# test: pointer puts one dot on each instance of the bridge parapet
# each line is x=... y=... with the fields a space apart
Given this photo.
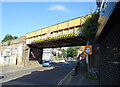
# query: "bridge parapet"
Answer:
x=65 y=29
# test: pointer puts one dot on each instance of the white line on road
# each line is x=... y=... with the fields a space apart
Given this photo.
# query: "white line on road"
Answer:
x=68 y=77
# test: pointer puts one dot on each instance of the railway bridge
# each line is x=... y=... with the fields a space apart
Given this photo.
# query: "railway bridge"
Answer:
x=68 y=33
x=63 y=34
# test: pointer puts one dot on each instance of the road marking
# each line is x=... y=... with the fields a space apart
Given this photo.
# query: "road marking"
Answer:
x=67 y=77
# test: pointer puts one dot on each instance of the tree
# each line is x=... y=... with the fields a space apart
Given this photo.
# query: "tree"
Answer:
x=90 y=27
x=72 y=51
x=64 y=53
x=15 y=37
x=9 y=37
x=69 y=51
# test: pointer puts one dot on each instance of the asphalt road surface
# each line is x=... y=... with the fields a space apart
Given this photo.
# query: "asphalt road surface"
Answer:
x=39 y=75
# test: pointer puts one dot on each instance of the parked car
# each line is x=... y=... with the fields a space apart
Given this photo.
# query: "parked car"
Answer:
x=47 y=63
x=62 y=60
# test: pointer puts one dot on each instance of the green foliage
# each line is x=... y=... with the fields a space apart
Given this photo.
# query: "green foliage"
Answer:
x=55 y=58
x=9 y=42
x=72 y=51
x=15 y=37
x=64 y=53
x=92 y=77
x=9 y=37
x=90 y=26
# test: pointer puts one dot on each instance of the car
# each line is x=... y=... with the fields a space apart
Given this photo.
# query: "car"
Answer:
x=47 y=63
x=62 y=60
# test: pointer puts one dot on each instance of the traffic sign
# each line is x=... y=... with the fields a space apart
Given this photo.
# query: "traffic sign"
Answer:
x=88 y=50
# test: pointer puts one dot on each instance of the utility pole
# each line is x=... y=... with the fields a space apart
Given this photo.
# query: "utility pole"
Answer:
x=87 y=58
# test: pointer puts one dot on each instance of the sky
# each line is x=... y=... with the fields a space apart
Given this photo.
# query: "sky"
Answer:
x=19 y=18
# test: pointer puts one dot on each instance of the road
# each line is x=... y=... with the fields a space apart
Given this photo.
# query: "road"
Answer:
x=39 y=75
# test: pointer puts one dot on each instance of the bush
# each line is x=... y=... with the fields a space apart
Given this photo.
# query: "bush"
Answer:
x=90 y=27
x=91 y=76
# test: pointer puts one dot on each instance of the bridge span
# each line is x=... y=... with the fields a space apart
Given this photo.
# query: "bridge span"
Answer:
x=63 y=34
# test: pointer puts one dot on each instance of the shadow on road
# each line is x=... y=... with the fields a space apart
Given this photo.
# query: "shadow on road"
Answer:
x=46 y=77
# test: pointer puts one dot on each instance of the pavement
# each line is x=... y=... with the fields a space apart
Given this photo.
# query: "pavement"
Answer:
x=6 y=70
x=81 y=79
x=13 y=68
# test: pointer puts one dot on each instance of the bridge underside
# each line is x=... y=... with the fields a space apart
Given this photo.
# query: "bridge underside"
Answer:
x=60 y=42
